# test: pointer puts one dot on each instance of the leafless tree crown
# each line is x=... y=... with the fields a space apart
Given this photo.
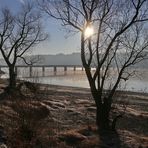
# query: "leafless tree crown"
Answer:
x=20 y=32
x=120 y=34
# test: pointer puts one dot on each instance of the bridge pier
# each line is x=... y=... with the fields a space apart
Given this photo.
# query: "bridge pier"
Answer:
x=65 y=68
x=43 y=71
x=55 y=68
x=74 y=68
x=16 y=70
x=30 y=71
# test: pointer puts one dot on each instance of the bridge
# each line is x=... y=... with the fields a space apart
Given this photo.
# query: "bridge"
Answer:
x=43 y=67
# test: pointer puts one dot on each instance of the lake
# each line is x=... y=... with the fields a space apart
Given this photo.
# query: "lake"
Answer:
x=78 y=78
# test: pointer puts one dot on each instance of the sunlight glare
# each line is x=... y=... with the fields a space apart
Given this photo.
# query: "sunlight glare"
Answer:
x=89 y=31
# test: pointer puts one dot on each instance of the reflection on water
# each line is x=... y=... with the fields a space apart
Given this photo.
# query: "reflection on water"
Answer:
x=78 y=78
x=66 y=78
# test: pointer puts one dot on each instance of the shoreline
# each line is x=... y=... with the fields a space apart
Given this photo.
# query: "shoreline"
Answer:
x=88 y=89
x=54 y=86
x=127 y=96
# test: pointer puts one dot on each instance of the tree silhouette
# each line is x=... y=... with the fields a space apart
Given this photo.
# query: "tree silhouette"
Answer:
x=18 y=33
x=119 y=41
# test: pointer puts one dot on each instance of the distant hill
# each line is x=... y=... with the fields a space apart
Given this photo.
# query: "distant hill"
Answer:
x=58 y=59
x=65 y=59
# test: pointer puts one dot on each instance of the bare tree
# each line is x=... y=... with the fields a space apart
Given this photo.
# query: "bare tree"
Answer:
x=118 y=42
x=18 y=33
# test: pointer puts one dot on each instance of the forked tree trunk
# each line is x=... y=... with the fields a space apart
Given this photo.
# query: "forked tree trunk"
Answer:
x=102 y=108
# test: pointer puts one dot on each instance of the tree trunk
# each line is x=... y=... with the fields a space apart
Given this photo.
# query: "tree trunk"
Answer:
x=103 y=105
x=12 y=78
x=102 y=114
x=102 y=118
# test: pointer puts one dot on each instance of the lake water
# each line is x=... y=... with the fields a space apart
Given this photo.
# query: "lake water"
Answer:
x=78 y=78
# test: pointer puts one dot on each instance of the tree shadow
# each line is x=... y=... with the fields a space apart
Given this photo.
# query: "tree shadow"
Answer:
x=135 y=124
x=111 y=139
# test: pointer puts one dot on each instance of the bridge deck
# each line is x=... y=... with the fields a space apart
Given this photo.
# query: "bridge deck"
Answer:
x=43 y=67
x=5 y=66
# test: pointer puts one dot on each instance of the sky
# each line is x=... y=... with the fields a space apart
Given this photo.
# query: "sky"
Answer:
x=57 y=43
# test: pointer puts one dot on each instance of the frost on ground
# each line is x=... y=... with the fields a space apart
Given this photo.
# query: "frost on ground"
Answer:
x=65 y=117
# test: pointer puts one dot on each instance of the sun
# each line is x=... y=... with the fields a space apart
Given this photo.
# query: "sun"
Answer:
x=89 y=31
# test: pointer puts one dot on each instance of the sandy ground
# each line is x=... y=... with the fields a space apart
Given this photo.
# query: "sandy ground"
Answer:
x=65 y=117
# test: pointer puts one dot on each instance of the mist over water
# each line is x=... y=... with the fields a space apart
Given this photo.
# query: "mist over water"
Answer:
x=138 y=83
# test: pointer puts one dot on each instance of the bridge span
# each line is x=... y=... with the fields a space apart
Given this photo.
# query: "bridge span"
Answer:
x=43 y=67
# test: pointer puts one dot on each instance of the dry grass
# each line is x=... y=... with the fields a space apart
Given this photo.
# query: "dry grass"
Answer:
x=62 y=117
